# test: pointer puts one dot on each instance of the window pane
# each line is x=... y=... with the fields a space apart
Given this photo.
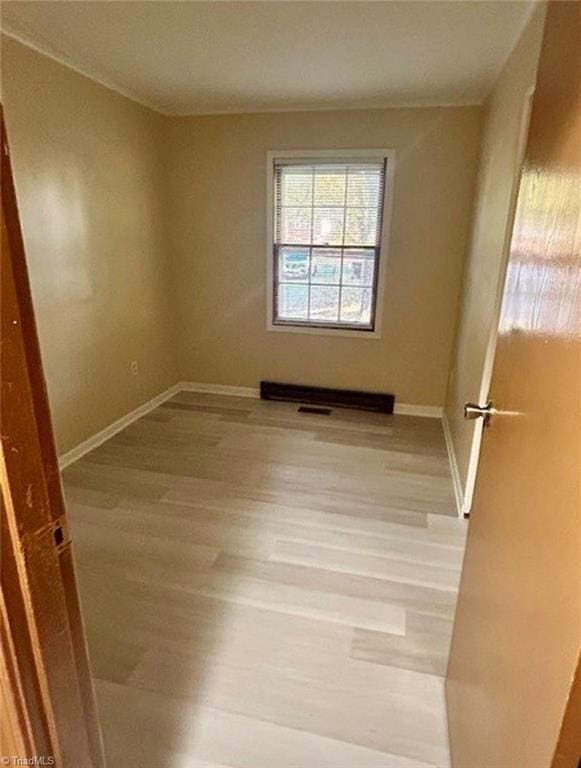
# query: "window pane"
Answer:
x=359 y=268
x=363 y=187
x=293 y=302
x=293 y=265
x=328 y=226
x=330 y=186
x=326 y=266
x=297 y=186
x=361 y=226
x=324 y=304
x=328 y=217
x=356 y=305
x=295 y=225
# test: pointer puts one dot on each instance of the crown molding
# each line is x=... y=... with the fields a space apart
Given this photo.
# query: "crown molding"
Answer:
x=48 y=50
x=45 y=49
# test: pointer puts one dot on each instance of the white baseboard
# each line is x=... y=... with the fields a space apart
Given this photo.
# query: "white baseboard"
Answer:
x=219 y=389
x=430 y=411
x=95 y=440
x=457 y=483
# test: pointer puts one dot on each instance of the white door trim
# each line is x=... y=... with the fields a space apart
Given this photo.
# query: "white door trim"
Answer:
x=468 y=494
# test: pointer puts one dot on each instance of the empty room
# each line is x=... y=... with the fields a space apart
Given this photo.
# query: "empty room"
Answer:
x=291 y=351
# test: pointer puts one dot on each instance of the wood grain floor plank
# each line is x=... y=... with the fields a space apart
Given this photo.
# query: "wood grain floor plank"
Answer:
x=425 y=600
x=266 y=588
x=305 y=680
x=219 y=737
x=423 y=648
x=293 y=601
x=363 y=563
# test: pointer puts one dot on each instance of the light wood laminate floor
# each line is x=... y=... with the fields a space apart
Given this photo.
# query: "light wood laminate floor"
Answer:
x=268 y=589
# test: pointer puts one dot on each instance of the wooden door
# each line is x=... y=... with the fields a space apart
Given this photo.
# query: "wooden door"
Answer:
x=517 y=632
x=46 y=695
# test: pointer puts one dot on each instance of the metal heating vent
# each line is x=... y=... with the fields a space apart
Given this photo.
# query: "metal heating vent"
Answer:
x=380 y=402
x=311 y=409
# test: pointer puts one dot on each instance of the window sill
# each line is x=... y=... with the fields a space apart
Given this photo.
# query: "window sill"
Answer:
x=322 y=331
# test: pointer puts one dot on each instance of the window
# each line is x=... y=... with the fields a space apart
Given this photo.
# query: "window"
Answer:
x=327 y=218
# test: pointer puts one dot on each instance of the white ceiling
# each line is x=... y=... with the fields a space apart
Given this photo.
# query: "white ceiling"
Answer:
x=211 y=57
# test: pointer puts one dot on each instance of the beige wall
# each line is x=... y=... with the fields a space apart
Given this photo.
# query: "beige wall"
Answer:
x=484 y=267
x=89 y=177
x=218 y=189
x=145 y=238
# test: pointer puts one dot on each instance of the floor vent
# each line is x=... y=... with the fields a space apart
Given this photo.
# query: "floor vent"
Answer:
x=317 y=396
x=311 y=409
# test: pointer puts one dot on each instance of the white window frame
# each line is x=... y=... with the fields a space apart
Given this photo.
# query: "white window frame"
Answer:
x=331 y=154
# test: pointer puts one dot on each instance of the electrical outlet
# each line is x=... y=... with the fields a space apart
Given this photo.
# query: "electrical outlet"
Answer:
x=134 y=367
